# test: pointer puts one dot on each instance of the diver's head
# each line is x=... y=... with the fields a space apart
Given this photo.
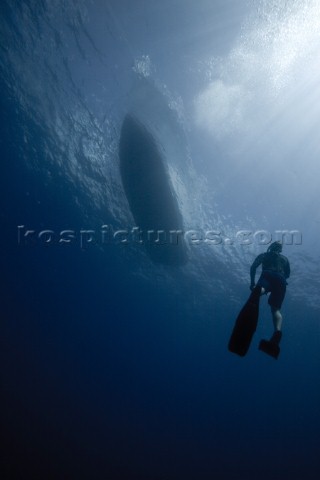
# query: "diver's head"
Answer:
x=275 y=247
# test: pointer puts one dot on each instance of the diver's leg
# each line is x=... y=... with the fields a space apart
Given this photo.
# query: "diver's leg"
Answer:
x=277 y=323
x=277 y=319
x=271 y=347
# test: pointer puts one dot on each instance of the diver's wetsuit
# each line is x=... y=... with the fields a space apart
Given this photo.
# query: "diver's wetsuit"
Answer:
x=275 y=271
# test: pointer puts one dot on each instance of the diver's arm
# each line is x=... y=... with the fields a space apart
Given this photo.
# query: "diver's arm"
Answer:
x=285 y=266
x=253 y=269
x=287 y=269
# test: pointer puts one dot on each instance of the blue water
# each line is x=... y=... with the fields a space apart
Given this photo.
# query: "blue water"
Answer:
x=114 y=366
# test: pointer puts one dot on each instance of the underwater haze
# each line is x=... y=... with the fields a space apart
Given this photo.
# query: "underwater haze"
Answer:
x=150 y=150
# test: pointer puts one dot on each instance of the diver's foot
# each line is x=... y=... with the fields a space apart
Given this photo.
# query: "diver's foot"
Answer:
x=270 y=348
x=276 y=337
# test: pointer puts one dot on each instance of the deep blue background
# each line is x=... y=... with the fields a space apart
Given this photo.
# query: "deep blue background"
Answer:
x=108 y=375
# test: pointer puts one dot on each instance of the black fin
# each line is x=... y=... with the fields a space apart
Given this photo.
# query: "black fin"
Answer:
x=245 y=325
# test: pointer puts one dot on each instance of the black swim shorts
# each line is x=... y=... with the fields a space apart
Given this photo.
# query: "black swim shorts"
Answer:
x=276 y=284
